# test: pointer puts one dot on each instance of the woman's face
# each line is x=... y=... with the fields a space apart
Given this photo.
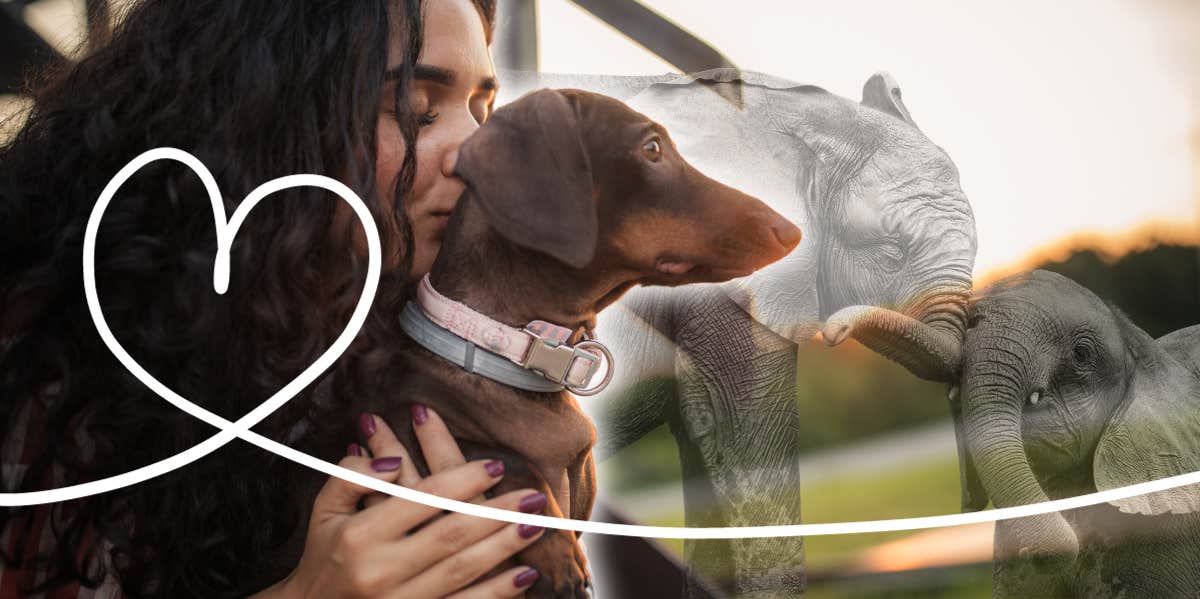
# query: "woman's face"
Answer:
x=452 y=93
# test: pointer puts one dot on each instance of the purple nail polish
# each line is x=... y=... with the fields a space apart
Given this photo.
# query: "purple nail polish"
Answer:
x=532 y=504
x=386 y=464
x=526 y=531
x=419 y=413
x=367 y=423
x=526 y=578
x=353 y=450
x=494 y=468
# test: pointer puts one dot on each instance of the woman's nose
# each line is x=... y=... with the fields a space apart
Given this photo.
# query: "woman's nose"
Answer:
x=448 y=162
x=457 y=137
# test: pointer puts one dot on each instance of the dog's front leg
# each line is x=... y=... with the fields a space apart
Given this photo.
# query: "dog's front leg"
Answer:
x=557 y=555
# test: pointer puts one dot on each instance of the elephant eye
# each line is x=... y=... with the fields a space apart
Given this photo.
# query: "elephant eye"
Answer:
x=891 y=255
x=973 y=319
x=1084 y=352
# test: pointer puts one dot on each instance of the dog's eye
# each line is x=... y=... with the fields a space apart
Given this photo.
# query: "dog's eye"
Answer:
x=652 y=150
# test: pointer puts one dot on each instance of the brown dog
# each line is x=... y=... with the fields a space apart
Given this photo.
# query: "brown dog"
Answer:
x=572 y=198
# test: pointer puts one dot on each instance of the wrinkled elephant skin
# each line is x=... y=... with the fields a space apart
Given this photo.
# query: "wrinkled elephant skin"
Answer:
x=1062 y=395
x=888 y=249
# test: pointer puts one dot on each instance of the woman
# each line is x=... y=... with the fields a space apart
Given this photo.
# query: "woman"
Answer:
x=375 y=94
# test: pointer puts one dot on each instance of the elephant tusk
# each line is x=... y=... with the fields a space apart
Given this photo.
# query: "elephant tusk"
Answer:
x=952 y=394
x=1034 y=398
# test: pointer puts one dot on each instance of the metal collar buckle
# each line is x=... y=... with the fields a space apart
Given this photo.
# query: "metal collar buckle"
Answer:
x=554 y=360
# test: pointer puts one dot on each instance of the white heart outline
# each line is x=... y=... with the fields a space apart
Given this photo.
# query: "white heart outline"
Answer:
x=226 y=229
x=240 y=428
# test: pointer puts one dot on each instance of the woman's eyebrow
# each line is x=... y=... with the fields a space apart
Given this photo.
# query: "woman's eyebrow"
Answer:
x=423 y=72
x=439 y=75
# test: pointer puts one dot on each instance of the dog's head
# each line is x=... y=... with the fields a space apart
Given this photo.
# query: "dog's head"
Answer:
x=592 y=183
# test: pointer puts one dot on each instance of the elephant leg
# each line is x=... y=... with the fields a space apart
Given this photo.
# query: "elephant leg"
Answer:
x=710 y=559
x=638 y=329
x=738 y=426
x=1018 y=577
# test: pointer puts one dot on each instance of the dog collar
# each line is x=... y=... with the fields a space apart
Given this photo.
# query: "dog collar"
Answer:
x=534 y=358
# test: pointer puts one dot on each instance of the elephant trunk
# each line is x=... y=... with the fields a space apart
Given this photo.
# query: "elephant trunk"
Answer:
x=993 y=402
x=929 y=344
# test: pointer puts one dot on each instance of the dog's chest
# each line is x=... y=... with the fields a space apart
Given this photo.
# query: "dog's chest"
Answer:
x=563 y=437
x=547 y=429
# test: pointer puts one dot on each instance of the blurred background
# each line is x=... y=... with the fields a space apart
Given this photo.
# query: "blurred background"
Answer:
x=1076 y=129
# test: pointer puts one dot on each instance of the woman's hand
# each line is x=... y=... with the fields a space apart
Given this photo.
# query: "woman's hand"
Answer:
x=375 y=553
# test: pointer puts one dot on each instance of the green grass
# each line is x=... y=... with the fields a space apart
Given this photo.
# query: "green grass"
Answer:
x=924 y=489
x=921 y=489
x=972 y=582
x=846 y=394
x=650 y=462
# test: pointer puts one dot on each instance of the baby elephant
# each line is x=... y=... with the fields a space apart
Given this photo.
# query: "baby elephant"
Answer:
x=1062 y=395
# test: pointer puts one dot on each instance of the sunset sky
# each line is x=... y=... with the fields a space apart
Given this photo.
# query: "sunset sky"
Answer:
x=1063 y=117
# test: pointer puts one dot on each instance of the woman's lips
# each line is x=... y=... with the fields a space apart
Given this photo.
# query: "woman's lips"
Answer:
x=432 y=226
x=439 y=220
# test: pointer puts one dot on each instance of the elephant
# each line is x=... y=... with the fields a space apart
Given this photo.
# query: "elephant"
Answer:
x=886 y=258
x=1063 y=395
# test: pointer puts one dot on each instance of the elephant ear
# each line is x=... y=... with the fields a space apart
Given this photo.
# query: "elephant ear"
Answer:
x=1155 y=432
x=882 y=93
x=1184 y=345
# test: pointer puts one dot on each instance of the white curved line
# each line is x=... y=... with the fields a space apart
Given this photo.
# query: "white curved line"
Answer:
x=226 y=231
x=240 y=429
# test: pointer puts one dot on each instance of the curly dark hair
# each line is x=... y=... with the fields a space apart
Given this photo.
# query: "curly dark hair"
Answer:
x=255 y=90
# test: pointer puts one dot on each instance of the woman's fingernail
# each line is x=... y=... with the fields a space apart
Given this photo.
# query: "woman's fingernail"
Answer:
x=526 y=531
x=533 y=503
x=494 y=468
x=419 y=413
x=386 y=464
x=367 y=423
x=526 y=578
x=353 y=450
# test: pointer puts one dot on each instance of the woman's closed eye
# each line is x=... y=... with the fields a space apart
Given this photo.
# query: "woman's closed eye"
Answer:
x=428 y=115
x=427 y=118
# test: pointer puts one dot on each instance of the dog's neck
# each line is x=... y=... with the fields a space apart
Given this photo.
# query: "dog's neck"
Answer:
x=512 y=284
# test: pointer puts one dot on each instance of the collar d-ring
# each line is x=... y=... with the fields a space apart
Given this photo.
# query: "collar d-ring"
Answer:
x=593 y=346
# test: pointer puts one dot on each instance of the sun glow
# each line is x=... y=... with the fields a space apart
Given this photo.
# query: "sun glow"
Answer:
x=1109 y=246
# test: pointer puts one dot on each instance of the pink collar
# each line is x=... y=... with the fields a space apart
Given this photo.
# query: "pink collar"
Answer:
x=540 y=346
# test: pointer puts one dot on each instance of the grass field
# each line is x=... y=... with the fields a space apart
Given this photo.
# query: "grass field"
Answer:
x=926 y=488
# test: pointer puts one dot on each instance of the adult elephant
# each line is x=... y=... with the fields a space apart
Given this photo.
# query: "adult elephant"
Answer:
x=888 y=250
x=1062 y=396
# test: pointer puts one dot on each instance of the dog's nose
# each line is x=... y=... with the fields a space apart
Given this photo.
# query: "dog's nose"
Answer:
x=787 y=234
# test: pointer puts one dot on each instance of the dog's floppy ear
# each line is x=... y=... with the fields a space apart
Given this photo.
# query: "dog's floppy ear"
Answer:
x=529 y=171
